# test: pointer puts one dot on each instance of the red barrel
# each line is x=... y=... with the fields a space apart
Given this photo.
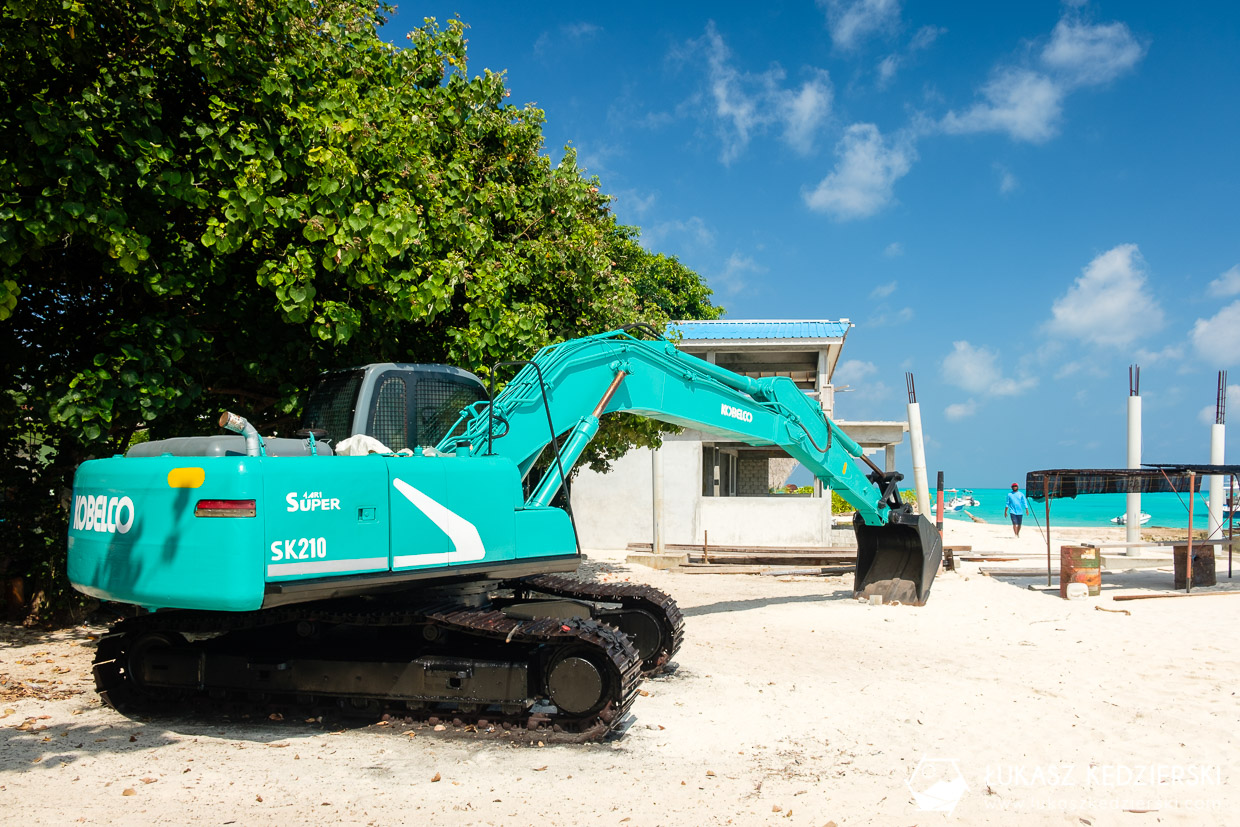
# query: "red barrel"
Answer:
x=1078 y=564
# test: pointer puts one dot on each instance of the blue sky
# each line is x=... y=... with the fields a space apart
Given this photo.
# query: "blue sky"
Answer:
x=1013 y=201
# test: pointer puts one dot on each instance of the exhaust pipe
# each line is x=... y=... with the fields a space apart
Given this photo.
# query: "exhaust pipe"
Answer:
x=897 y=561
x=240 y=425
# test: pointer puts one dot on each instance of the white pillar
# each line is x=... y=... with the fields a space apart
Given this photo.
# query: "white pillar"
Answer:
x=920 y=485
x=1217 y=437
x=656 y=489
x=1133 y=532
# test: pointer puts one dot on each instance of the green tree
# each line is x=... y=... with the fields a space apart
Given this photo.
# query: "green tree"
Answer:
x=205 y=204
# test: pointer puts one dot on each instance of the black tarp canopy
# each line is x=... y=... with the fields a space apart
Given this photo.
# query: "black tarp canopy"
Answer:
x=1151 y=479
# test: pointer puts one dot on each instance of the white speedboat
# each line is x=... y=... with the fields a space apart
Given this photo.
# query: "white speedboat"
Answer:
x=1122 y=519
x=958 y=499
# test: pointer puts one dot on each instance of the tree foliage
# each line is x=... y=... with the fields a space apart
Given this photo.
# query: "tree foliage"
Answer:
x=205 y=204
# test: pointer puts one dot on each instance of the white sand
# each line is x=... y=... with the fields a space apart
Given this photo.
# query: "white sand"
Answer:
x=793 y=704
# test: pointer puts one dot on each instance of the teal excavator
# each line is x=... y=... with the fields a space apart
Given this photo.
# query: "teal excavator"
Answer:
x=405 y=551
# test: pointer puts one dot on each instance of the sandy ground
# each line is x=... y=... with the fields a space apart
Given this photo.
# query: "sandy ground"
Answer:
x=793 y=704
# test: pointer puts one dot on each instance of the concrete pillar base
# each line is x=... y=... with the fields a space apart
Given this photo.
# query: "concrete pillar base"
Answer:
x=657 y=561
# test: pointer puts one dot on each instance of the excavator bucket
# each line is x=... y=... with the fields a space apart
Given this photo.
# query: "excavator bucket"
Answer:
x=899 y=560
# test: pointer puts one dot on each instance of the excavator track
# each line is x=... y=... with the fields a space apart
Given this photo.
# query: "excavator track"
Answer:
x=648 y=615
x=475 y=667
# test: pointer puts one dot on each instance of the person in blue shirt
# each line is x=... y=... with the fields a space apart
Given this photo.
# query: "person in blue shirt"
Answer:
x=1015 y=507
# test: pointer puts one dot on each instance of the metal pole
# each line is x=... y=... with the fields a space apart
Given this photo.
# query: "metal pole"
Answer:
x=656 y=489
x=1188 y=562
x=1214 y=482
x=938 y=520
x=1132 y=521
x=918 y=448
x=1046 y=489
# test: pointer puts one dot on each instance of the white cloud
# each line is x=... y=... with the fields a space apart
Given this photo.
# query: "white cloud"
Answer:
x=633 y=203
x=1007 y=181
x=852 y=22
x=1207 y=414
x=960 y=410
x=1109 y=304
x=747 y=104
x=1170 y=353
x=893 y=250
x=862 y=181
x=887 y=68
x=1023 y=103
x=571 y=32
x=1218 y=337
x=860 y=391
x=891 y=64
x=976 y=370
x=805 y=111
x=596 y=158
x=882 y=291
x=852 y=371
x=1026 y=103
x=925 y=37
x=732 y=105
x=693 y=232
x=885 y=318
x=1068 y=369
x=1086 y=55
x=1228 y=284
x=734 y=276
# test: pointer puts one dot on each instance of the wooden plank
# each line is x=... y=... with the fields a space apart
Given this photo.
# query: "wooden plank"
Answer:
x=1164 y=544
x=711 y=569
x=761 y=560
x=1173 y=594
x=713 y=549
x=824 y=571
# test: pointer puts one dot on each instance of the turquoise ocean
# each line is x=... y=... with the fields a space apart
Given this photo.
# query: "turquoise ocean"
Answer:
x=1166 y=510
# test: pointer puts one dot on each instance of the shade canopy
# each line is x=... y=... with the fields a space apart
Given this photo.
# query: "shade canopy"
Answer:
x=1150 y=479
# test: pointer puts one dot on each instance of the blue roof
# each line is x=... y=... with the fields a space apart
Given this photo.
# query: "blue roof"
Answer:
x=761 y=329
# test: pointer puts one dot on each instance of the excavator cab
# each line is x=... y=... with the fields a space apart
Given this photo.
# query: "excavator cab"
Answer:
x=897 y=561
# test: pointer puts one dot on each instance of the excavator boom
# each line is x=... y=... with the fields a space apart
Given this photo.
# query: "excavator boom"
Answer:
x=567 y=387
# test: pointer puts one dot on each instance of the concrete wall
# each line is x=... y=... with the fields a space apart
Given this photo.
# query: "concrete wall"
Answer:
x=765 y=521
x=614 y=509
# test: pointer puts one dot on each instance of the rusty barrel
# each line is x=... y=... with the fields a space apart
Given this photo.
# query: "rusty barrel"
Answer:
x=1203 y=566
x=1078 y=564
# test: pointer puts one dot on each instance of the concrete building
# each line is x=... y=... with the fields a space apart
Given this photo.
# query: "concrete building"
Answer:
x=721 y=491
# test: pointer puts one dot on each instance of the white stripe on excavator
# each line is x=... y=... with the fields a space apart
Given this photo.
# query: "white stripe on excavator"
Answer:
x=466 y=542
x=327 y=566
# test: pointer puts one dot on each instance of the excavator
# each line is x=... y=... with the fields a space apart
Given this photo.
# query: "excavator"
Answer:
x=408 y=549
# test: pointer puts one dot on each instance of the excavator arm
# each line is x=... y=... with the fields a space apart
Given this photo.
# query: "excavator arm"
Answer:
x=567 y=387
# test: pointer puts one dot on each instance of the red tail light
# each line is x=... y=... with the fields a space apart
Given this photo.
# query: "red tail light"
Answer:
x=225 y=508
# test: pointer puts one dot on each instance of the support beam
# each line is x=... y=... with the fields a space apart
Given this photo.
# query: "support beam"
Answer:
x=1133 y=517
